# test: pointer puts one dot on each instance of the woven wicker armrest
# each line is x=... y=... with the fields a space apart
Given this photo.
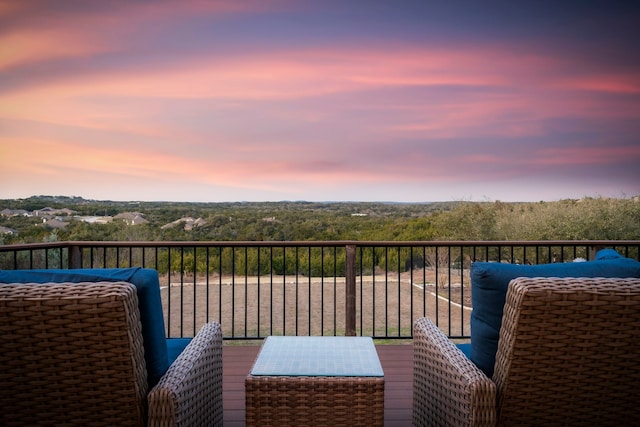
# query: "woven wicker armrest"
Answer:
x=71 y=354
x=448 y=389
x=190 y=392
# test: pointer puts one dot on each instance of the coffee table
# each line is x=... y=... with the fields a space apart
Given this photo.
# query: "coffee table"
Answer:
x=316 y=381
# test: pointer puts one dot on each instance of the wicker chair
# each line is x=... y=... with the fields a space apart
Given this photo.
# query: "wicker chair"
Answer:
x=568 y=354
x=72 y=354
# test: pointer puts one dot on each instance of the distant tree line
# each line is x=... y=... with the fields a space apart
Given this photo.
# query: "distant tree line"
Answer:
x=584 y=219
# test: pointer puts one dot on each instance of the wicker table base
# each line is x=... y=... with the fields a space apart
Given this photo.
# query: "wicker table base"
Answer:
x=307 y=400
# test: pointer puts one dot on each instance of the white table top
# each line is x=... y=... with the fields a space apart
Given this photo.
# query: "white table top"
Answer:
x=318 y=356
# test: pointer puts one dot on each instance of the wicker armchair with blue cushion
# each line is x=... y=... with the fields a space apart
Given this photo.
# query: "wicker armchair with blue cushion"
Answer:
x=88 y=347
x=554 y=344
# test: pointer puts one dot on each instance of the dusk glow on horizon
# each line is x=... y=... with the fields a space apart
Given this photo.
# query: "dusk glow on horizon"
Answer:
x=271 y=100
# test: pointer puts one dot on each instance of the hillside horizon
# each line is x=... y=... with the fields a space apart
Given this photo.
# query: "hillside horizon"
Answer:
x=80 y=199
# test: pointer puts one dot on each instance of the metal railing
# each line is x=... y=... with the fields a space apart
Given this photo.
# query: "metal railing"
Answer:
x=256 y=289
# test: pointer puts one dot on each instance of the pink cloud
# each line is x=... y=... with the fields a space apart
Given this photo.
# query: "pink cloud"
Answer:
x=22 y=47
x=298 y=74
x=614 y=83
x=72 y=165
x=604 y=155
x=41 y=30
x=268 y=115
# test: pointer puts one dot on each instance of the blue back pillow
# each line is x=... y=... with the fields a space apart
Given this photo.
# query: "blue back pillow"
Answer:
x=489 y=283
x=147 y=286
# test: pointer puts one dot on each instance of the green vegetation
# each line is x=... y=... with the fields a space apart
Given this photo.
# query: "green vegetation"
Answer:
x=584 y=219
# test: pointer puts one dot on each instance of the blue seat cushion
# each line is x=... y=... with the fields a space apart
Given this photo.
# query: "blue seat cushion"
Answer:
x=489 y=283
x=465 y=348
x=147 y=286
x=175 y=346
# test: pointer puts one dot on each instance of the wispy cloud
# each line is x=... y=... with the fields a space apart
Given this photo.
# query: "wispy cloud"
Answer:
x=168 y=95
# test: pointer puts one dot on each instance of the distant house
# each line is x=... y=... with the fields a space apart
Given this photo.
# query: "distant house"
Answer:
x=53 y=212
x=54 y=223
x=95 y=219
x=189 y=223
x=197 y=223
x=14 y=212
x=7 y=230
x=132 y=218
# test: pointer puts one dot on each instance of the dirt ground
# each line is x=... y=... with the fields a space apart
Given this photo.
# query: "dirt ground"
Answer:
x=386 y=305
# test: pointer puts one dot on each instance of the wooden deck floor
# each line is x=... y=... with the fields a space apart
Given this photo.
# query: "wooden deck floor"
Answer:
x=396 y=362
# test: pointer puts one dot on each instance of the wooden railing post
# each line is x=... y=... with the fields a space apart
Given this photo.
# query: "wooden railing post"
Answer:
x=75 y=260
x=350 y=292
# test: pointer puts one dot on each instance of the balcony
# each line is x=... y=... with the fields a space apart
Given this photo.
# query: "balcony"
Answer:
x=257 y=289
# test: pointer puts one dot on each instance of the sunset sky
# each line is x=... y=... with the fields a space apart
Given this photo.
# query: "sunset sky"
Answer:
x=332 y=100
